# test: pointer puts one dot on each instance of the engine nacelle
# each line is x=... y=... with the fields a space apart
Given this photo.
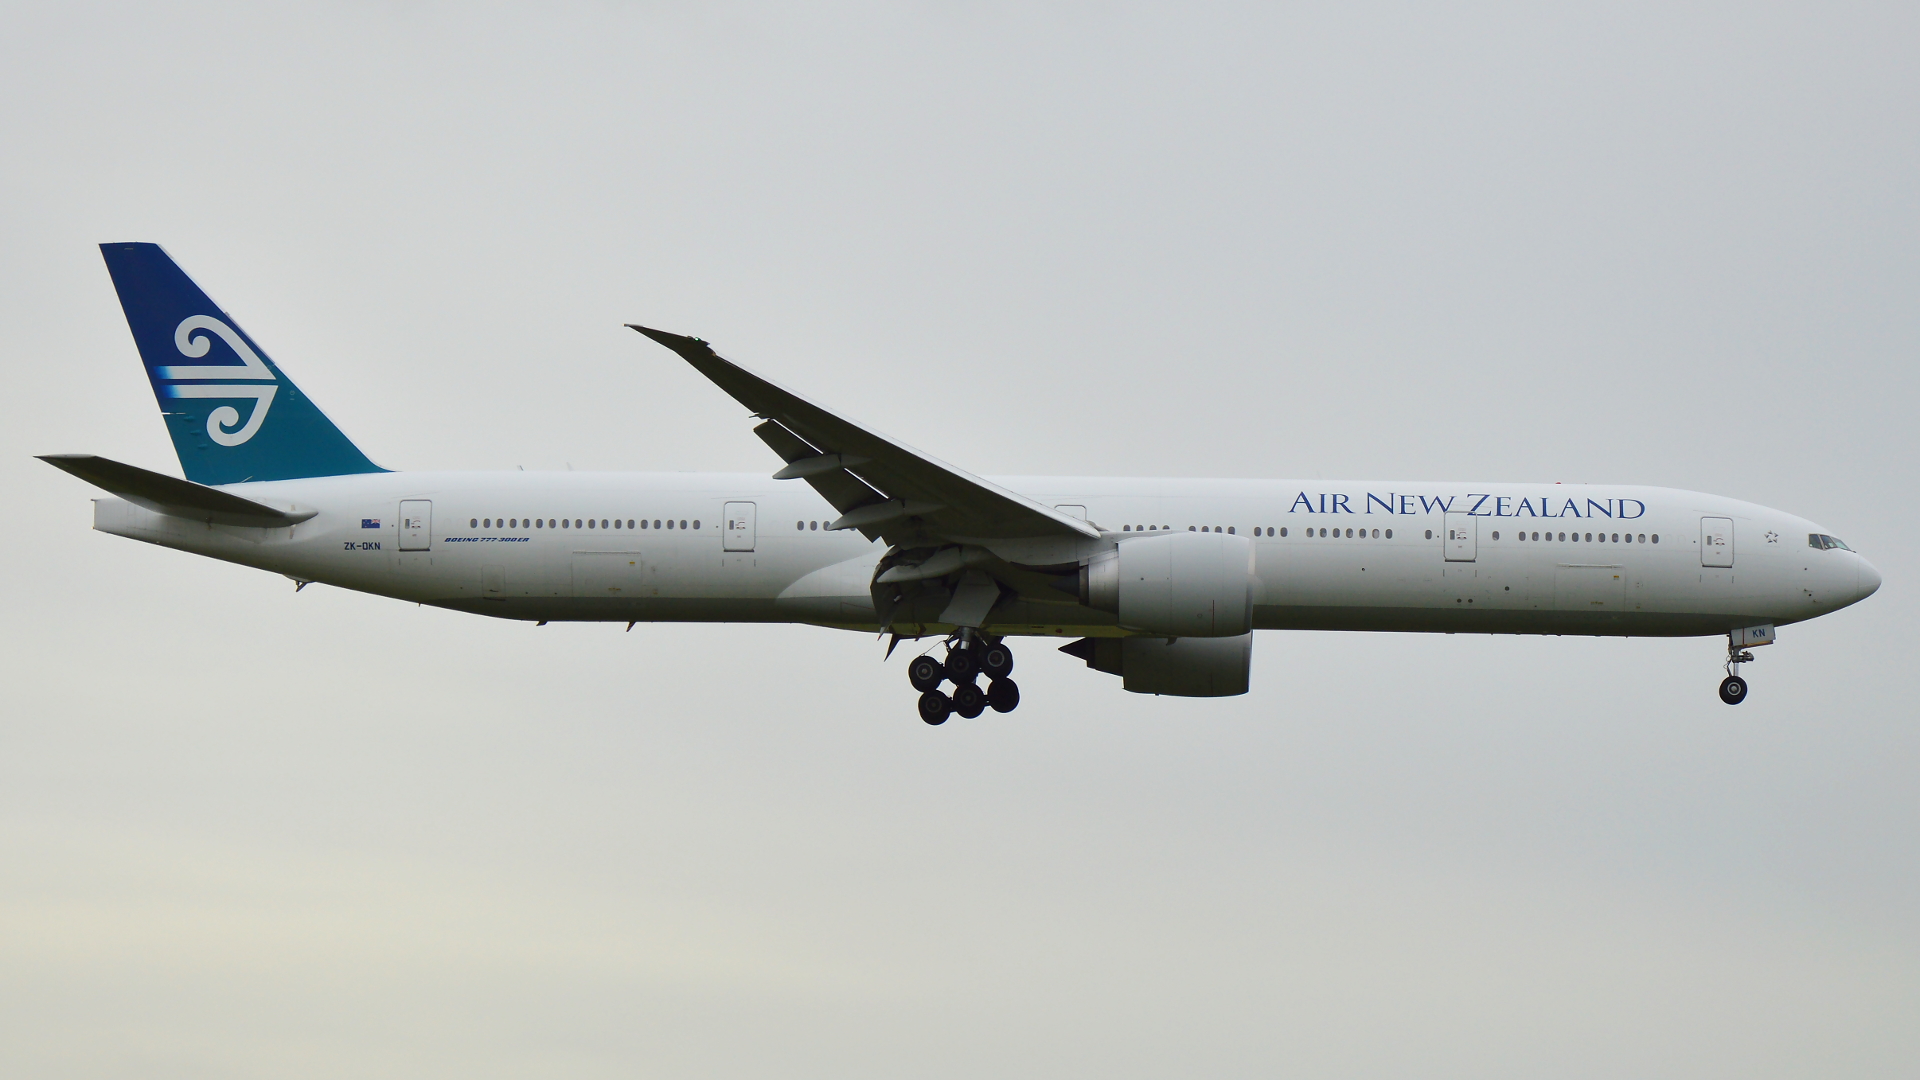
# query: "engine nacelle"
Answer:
x=1179 y=667
x=1183 y=585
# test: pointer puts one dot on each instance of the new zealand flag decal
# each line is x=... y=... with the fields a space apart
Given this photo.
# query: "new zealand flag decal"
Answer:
x=369 y=523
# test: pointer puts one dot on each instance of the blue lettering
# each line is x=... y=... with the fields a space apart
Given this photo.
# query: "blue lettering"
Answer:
x=1500 y=507
x=1474 y=510
x=1386 y=503
x=1406 y=504
x=1340 y=505
x=1636 y=513
x=1606 y=510
x=1571 y=508
x=1302 y=499
x=1427 y=505
x=1323 y=502
x=1526 y=506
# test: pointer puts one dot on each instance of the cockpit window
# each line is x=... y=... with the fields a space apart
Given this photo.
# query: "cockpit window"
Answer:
x=1826 y=543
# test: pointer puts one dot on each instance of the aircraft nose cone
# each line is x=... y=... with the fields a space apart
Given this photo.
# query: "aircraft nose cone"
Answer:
x=1868 y=580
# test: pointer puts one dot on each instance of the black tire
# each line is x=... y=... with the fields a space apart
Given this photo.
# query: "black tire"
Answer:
x=960 y=665
x=1733 y=690
x=935 y=707
x=996 y=661
x=968 y=701
x=1003 y=695
x=926 y=673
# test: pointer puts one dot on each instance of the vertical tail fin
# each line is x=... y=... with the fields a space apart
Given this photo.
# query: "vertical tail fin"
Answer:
x=232 y=414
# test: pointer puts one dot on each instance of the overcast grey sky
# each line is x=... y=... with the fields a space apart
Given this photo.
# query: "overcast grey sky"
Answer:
x=245 y=833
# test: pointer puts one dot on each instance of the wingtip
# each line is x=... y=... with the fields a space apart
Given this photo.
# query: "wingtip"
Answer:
x=676 y=342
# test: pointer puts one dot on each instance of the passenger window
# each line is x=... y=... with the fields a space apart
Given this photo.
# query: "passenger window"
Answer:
x=1496 y=534
x=1389 y=534
x=1429 y=534
x=1656 y=538
x=1126 y=528
x=1643 y=538
x=475 y=523
x=656 y=523
x=487 y=524
x=1283 y=531
x=539 y=522
x=813 y=526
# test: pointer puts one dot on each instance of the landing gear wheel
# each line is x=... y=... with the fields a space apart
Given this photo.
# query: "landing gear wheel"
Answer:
x=996 y=661
x=1733 y=690
x=1003 y=695
x=935 y=707
x=968 y=701
x=925 y=673
x=960 y=665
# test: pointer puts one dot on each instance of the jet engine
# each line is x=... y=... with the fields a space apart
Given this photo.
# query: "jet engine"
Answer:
x=1179 y=667
x=1181 y=585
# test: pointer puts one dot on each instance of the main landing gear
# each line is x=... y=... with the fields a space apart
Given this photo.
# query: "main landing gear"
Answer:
x=969 y=655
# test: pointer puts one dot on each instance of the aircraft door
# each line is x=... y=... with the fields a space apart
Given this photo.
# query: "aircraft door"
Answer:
x=1716 y=541
x=739 y=531
x=1463 y=537
x=416 y=525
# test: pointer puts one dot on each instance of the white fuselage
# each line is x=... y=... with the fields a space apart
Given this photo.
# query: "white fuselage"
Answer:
x=1354 y=556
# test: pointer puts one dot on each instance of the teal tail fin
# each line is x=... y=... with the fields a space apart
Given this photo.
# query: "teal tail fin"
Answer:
x=233 y=415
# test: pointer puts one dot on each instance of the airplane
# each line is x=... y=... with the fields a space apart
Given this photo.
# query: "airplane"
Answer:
x=1160 y=582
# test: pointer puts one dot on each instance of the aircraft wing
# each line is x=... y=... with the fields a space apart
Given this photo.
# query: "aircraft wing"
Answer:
x=165 y=494
x=880 y=486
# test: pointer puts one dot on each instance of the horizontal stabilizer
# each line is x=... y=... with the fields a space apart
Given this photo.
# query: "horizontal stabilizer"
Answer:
x=171 y=495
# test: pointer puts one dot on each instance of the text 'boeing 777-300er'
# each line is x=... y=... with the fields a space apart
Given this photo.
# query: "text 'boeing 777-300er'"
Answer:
x=1161 y=582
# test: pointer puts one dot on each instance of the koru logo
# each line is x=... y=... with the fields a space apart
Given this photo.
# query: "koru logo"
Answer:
x=223 y=423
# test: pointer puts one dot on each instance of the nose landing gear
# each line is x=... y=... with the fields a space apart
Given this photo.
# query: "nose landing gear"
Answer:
x=969 y=655
x=1733 y=688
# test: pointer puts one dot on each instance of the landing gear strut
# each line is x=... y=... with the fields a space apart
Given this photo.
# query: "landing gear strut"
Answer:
x=969 y=655
x=1733 y=688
